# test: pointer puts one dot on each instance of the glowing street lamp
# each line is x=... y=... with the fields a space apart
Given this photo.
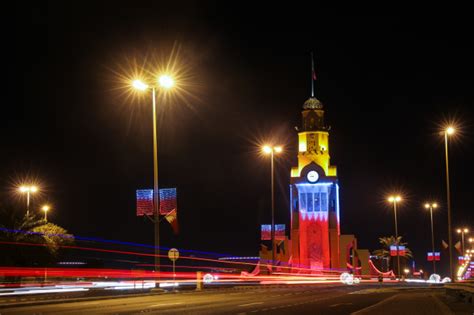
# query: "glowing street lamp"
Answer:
x=447 y=132
x=45 y=208
x=28 y=190
x=431 y=206
x=165 y=82
x=272 y=150
x=462 y=231
x=406 y=271
x=394 y=200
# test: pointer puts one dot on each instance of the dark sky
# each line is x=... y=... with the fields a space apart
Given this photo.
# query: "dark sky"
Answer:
x=388 y=84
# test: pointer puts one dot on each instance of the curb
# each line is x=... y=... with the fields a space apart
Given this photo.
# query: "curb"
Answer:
x=72 y=300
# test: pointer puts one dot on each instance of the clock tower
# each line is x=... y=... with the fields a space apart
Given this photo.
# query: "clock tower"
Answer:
x=314 y=194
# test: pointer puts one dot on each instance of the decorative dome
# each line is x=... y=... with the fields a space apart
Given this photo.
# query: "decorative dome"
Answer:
x=312 y=103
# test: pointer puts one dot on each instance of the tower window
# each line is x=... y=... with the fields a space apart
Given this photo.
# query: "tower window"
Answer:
x=324 y=201
x=302 y=201
x=309 y=202
x=317 y=202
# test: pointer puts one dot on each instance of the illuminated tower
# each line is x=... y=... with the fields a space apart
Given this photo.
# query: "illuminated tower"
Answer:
x=314 y=194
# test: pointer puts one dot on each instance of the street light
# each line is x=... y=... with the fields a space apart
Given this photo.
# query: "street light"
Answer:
x=394 y=200
x=462 y=231
x=272 y=150
x=406 y=271
x=432 y=206
x=449 y=131
x=165 y=82
x=45 y=208
x=28 y=190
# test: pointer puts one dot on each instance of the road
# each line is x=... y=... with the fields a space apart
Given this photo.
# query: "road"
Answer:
x=335 y=299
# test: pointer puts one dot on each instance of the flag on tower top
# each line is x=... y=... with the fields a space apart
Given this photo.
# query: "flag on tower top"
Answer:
x=313 y=72
x=313 y=75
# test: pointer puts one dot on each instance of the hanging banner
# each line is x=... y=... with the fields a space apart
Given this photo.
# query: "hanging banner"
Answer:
x=401 y=250
x=168 y=202
x=266 y=232
x=144 y=202
x=435 y=257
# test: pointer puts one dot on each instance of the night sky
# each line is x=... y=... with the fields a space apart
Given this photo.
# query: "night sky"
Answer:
x=388 y=83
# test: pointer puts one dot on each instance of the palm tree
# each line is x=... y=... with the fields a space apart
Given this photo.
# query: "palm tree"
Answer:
x=384 y=252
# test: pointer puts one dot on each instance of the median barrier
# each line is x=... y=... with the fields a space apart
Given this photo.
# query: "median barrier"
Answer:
x=462 y=292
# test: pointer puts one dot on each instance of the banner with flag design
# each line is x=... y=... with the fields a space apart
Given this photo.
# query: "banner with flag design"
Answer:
x=401 y=250
x=434 y=256
x=266 y=232
x=144 y=202
x=168 y=201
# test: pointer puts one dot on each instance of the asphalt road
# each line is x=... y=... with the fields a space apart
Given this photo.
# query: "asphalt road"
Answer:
x=360 y=299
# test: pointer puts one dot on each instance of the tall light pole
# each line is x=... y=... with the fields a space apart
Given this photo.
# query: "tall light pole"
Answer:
x=394 y=200
x=462 y=232
x=165 y=82
x=28 y=190
x=272 y=150
x=432 y=206
x=447 y=132
x=45 y=208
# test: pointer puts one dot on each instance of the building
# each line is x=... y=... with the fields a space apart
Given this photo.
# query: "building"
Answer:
x=315 y=242
x=314 y=194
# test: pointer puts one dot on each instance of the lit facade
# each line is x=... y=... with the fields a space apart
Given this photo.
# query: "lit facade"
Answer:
x=314 y=195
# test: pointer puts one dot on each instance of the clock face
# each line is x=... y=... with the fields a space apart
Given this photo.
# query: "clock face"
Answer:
x=312 y=176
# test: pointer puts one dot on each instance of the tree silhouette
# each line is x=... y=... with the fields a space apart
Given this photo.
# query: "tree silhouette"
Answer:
x=384 y=252
x=41 y=240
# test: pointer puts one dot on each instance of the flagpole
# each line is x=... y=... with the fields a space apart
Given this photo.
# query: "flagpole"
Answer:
x=312 y=75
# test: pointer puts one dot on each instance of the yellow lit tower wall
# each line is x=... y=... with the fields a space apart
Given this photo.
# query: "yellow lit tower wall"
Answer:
x=314 y=193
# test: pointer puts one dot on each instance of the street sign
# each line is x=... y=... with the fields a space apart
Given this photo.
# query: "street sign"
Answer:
x=173 y=254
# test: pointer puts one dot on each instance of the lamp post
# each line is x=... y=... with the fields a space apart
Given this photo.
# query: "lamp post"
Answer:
x=462 y=232
x=394 y=200
x=272 y=150
x=45 y=208
x=28 y=190
x=166 y=82
x=432 y=206
x=449 y=131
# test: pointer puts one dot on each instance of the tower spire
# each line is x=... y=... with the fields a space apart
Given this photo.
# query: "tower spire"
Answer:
x=313 y=75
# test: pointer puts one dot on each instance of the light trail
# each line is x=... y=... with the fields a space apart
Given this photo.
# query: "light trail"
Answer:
x=154 y=255
x=297 y=267
x=100 y=240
